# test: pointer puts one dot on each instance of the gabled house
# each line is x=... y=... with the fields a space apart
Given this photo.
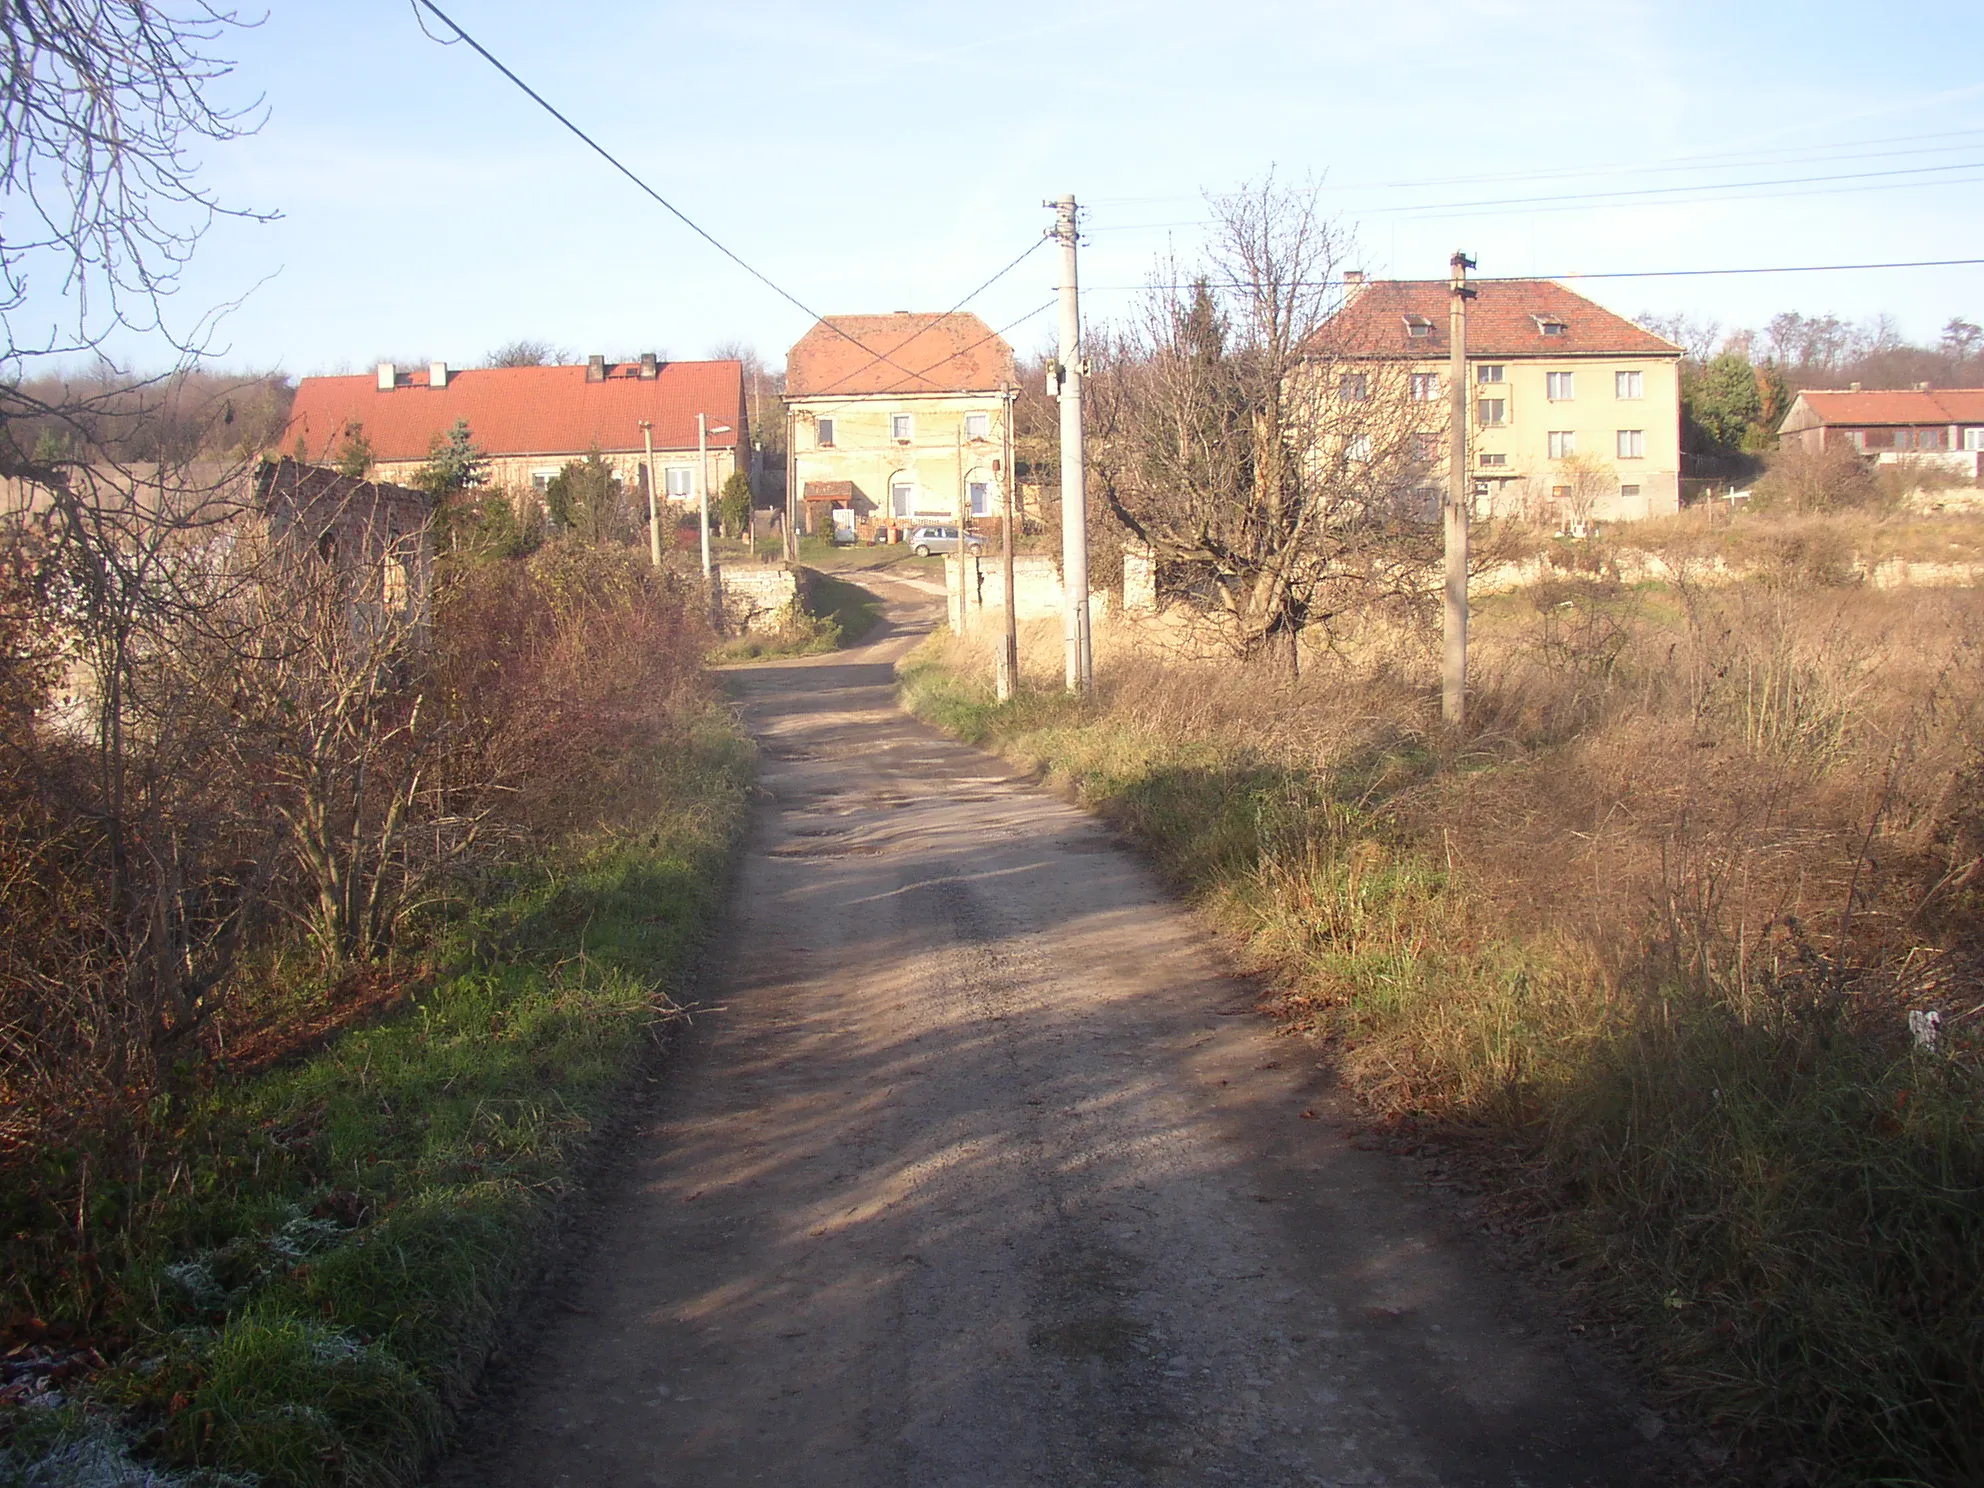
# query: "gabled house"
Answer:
x=531 y=421
x=1571 y=408
x=1940 y=426
x=897 y=419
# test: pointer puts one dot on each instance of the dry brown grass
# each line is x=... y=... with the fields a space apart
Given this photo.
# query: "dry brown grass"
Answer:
x=1659 y=919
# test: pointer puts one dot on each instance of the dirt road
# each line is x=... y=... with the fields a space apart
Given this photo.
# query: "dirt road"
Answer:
x=981 y=1172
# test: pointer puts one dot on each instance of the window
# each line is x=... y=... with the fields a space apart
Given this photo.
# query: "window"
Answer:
x=826 y=433
x=1562 y=442
x=542 y=478
x=900 y=427
x=1353 y=387
x=1418 y=326
x=1425 y=386
x=1629 y=384
x=1426 y=446
x=1560 y=387
x=1549 y=325
x=902 y=495
x=980 y=496
x=1903 y=439
x=1858 y=439
x=1491 y=372
x=679 y=481
x=1357 y=447
x=1629 y=493
x=1496 y=461
x=1973 y=439
x=1632 y=444
x=1929 y=439
x=978 y=426
x=1491 y=413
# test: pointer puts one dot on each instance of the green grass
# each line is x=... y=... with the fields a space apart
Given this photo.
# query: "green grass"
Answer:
x=1782 y=1201
x=839 y=614
x=352 y=1232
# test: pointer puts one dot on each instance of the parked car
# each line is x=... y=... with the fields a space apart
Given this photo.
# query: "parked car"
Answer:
x=928 y=540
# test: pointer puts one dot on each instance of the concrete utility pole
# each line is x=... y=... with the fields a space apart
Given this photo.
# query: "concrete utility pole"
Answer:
x=1074 y=493
x=1007 y=680
x=1453 y=662
x=958 y=616
x=654 y=508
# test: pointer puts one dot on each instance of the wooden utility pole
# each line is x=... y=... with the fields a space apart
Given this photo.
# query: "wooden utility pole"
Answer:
x=1007 y=680
x=1453 y=661
x=654 y=501
x=1074 y=492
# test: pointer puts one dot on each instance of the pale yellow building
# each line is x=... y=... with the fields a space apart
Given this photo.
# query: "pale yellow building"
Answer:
x=897 y=421
x=1574 y=412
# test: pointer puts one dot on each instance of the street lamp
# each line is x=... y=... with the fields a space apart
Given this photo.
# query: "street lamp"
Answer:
x=654 y=511
x=703 y=431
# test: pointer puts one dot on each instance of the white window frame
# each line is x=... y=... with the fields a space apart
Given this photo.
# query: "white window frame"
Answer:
x=824 y=433
x=679 y=482
x=1354 y=387
x=902 y=427
x=1501 y=418
x=1629 y=492
x=1973 y=439
x=1549 y=325
x=1494 y=461
x=1632 y=444
x=542 y=477
x=1629 y=386
x=1424 y=387
x=1494 y=373
x=978 y=498
x=1562 y=443
x=902 y=497
x=978 y=426
x=1357 y=447
x=1560 y=387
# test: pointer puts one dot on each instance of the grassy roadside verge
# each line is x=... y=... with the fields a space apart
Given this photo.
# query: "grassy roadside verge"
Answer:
x=1775 y=1195
x=838 y=613
x=346 y=1235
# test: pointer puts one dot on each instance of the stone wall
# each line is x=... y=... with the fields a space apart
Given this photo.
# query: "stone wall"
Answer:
x=759 y=596
x=1037 y=593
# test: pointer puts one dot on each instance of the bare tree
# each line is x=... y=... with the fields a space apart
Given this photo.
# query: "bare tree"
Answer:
x=526 y=352
x=1274 y=470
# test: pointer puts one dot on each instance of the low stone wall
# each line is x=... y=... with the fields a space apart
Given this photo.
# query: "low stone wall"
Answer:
x=1037 y=592
x=759 y=596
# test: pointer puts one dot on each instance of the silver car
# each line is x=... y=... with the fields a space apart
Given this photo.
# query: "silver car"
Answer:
x=928 y=540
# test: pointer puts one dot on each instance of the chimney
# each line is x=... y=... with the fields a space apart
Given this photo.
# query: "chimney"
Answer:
x=1921 y=387
x=1352 y=278
x=1853 y=387
x=437 y=374
x=595 y=369
x=649 y=371
x=388 y=377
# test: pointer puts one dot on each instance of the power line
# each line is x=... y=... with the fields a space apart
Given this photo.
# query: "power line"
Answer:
x=649 y=191
x=1922 y=263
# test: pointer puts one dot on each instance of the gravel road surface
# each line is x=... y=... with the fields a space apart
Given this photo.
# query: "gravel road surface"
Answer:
x=978 y=1170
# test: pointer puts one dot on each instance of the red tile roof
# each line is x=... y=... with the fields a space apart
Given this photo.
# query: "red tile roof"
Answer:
x=900 y=353
x=1897 y=406
x=839 y=490
x=522 y=410
x=1501 y=322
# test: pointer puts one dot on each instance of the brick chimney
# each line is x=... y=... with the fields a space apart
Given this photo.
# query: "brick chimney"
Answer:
x=595 y=369
x=437 y=374
x=388 y=377
x=1353 y=277
x=649 y=369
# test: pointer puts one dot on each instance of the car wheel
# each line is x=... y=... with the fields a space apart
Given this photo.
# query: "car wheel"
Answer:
x=922 y=550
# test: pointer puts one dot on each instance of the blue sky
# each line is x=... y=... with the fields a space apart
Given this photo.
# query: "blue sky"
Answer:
x=881 y=156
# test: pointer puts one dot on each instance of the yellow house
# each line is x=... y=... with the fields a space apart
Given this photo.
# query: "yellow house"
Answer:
x=1574 y=412
x=897 y=420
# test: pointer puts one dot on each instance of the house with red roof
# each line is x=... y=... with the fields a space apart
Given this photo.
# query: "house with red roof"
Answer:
x=1574 y=411
x=531 y=421
x=1939 y=426
x=899 y=419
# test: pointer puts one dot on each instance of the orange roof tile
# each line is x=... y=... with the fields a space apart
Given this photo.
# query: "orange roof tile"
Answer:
x=1897 y=406
x=900 y=353
x=522 y=410
x=1502 y=321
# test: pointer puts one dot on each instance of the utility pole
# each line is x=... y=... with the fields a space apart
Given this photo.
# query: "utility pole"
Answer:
x=654 y=509
x=703 y=487
x=1453 y=661
x=1074 y=493
x=958 y=623
x=1006 y=682
x=791 y=496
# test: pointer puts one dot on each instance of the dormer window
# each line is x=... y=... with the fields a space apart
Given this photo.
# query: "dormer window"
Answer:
x=1417 y=326
x=1549 y=325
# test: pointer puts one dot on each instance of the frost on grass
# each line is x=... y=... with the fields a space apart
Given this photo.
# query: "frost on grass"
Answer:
x=90 y=1454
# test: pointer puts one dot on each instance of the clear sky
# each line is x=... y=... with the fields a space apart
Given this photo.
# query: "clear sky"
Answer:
x=873 y=156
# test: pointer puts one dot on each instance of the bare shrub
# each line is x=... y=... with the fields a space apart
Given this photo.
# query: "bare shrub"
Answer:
x=1834 y=478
